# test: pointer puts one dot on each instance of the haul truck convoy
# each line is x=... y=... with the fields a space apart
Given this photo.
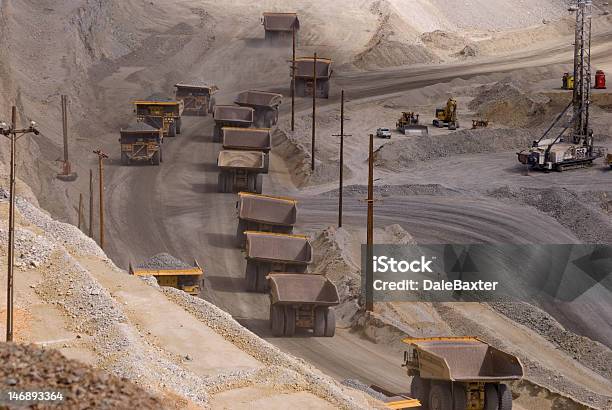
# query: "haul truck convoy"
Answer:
x=170 y=271
x=272 y=252
x=264 y=213
x=249 y=139
x=161 y=114
x=231 y=116
x=265 y=105
x=141 y=142
x=460 y=373
x=198 y=99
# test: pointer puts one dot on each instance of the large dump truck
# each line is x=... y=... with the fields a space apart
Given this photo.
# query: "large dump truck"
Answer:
x=163 y=114
x=302 y=301
x=264 y=213
x=198 y=99
x=463 y=372
x=231 y=116
x=272 y=252
x=279 y=27
x=265 y=105
x=241 y=171
x=172 y=272
x=141 y=142
x=304 y=76
x=249 y=139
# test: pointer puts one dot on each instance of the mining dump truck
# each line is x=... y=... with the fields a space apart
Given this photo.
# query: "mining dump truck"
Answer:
x=265 y=105
x=304 y=76
x=272 y=252
x=460 y=373
x=172 y=272
x=447 y=117
x=264 y=213
x=302 y=301
x=279 y=26
x=141 y=142
x=231 y=116
x=609 y=160
x=408 y=124
x=249 y=139
x=241 y=171
x=162 y=114
x=198 y=99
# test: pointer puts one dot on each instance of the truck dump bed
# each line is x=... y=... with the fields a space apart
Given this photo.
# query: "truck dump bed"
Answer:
x=304 y=69
x=278 y=247
x=248 y=160
x=233 y=113
x=302 y=289
x=267 y=209
x=280 y=21
x=254 y=99
x=464 y=359
x=247 y=138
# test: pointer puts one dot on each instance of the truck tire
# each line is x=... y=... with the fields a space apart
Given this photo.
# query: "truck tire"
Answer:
x=125 y=160
x=211 y=105
x=161 y=155
x=491 y=397
x=221 y=182
x=178 y=125
x=505 y=397
x=155 y=160
x=216 y=137
x=172 y=130
x=229 y=182
x=419 y=389
x=251 y=277
x=277 y=317
x=300 y=89
x=240 y=236
x=289 y=321
x=262 y=282
x=259 y=183
x=266 y=163
x=330 y=322
x=318 y=329
x=459 y=397
x=326 y=89
x=440 y=396
x=268 y=121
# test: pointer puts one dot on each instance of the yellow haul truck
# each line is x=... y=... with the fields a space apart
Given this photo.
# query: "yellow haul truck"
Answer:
x=461 y=373
x=161 y=114
x=172 y=272
x=141 y=142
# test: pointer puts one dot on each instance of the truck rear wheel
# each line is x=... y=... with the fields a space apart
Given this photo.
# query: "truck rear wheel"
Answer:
x=155 y=160
x=240 y=236
x=178 y=125
x=172 y=130
x=459 y=397
x=419 y=389
x=277 y=317
x=221 y=182
x=318 y=329
x=440 y=396
x=125 y=160
x=289 y=321
x=216 y=137
x=330 y=322
x=259 y=183
x=491 y=397
x=262 y=282
x=505 y=397
x=251 y=277
x=266 y=163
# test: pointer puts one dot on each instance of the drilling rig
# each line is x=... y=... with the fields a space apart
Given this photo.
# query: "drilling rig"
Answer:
x=573 y=146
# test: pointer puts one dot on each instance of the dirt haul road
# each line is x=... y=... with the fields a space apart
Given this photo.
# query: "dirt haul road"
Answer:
x=175 y=208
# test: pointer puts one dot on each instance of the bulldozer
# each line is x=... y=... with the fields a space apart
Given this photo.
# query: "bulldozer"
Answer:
x=480 y=123
x=408 y=124
x=447 y=117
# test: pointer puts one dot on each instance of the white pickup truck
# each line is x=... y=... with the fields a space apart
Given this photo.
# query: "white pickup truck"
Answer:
x=383 y=133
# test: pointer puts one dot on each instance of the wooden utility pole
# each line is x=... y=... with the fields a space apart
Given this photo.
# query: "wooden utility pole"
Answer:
x=66 y=174
x=80 y=210
x=101 y=157
x=370 y=235
x=314 y=108
x=341 y=135
x=293 y=81
x=11 y=132
x=91 y=204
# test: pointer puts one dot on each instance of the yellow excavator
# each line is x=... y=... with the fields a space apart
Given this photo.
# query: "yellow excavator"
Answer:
x=447 y=117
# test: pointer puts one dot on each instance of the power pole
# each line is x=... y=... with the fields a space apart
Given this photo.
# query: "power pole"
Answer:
x=101 y=157
x=370 y=235
x=91 y=204
x=293 y=81
x=11 y=132
x=66 y=174
x=80 y=212
x=582 y=71
x=341 y=135
x=314 y=108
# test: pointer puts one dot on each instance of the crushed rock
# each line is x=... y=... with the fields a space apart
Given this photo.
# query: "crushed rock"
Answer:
x=163 y=261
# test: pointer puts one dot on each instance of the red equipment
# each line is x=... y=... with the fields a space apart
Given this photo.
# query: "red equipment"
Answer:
x=600 y=80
